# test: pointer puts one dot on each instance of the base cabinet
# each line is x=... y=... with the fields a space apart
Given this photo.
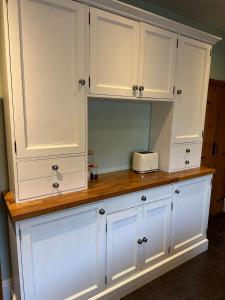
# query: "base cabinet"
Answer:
x=190 y=213
x=97 y=250
x=63 y=255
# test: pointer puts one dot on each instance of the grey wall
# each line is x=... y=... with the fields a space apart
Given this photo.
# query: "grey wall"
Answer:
x=115 y=128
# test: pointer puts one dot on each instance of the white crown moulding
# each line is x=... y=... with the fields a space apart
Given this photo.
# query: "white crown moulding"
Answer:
x=141 y=15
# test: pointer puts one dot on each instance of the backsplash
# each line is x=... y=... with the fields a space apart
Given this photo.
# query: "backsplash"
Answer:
x=115 y=130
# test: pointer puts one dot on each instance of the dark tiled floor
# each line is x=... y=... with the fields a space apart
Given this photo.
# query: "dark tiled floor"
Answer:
x=202 y=278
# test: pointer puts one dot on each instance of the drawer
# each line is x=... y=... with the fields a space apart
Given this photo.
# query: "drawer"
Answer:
x=44 y=186
x=40 y=168
x=185 y=156
x=134 y=199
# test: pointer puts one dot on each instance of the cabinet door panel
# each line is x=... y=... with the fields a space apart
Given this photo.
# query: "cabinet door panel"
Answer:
x=123 y=251
x=48 y=40
x=63 y=255
x=157 y=62
x=192 y=80
x=190 y=213
x=114 y=43
x=156 y=228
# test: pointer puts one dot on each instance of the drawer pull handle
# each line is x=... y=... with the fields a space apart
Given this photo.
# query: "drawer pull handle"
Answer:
x=102 y=211
x=177 y=191
x=55 y=167
x=139 y=241
x=82 y=82
x=179 y=92
x=141 y=88
x=187 y=162
x=135 y=87
x=55 y=185
x=144 y=240
x=143 y=198
x=188 y=150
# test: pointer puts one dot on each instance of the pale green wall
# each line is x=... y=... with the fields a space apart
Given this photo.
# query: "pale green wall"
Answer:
x=122 y=133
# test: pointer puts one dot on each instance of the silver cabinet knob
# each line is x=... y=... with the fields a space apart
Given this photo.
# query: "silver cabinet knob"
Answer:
x=187 y=162
x=55 y=185
x=135 y=87
x=102 y=211
x=139 y=241
x=55 y=167
x=177 y=191
x=141 y=88
x=179 y=92
x=144 y=240
x=143 y=198
x=188 y=150
x=81 y=82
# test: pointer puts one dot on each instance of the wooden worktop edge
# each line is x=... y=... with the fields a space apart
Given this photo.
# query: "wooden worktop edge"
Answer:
x=35 y=208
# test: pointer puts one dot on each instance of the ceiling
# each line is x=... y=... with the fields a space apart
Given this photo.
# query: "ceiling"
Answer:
x=208 y=12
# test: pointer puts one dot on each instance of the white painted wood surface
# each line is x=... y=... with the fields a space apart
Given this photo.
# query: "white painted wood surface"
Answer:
x=157 y=61
x=193 y=65
x=48 y=45
x=114 y=47
x=156 y=229
x=190 y=212
x=123 y=251
x=63 y=254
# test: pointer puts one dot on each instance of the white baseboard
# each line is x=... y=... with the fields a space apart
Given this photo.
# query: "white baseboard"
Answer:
x=7 y=287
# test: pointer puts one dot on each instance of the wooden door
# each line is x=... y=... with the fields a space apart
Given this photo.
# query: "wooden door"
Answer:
x=157 y=61
x=123 y=249
x=156 y=231
x=193 y=66
x=63 y=254
x=48 y=58
x=114 y=47
x=213 y=152
x=190 y=212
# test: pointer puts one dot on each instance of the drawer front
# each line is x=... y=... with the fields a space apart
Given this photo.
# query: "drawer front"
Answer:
x=35 y=169
x=45 y=186
x=185 y=156
x=134 y=199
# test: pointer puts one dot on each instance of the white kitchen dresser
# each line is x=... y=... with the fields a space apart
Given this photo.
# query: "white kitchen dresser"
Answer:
x=107 y=248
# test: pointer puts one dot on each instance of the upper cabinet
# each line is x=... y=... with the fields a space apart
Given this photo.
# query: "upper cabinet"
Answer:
x=114 y=46
x=157 y=61
x=193 y=65
x=129 y=58
x=48 y=42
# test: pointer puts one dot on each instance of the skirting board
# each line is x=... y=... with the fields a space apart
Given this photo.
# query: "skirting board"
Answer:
x=7 y=287
x=134 y=282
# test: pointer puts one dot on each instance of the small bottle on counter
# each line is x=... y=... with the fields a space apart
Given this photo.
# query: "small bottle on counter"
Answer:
x=94 y=172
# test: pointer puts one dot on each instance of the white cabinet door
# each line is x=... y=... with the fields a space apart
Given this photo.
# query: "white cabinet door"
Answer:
x=190 y=212
x=63 y=255
x=123 y=250
x=114 y=46
x=156 y=231
x=48 y=42
x=157 y=62
x=191 y=90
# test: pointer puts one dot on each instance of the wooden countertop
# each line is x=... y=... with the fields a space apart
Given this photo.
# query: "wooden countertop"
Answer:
x=107 y=186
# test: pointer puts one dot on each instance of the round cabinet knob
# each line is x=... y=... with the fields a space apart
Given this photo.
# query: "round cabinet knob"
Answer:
x=187 y=162
x=55 y=167
x=139 y=241
x=55 y=185
x=188 y=150
x=141 y=88
x=102 y=211
x=135 y=87
x=179 y=92
x=143 y=198
x=144 y=240
x=81 y=82
x=177 y=191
